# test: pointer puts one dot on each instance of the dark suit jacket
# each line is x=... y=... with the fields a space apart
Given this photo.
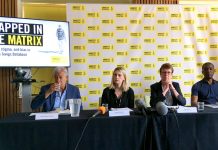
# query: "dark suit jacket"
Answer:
x=48 y=103
x=156 y=94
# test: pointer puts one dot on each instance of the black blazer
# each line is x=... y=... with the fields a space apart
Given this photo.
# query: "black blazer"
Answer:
x=156 y=94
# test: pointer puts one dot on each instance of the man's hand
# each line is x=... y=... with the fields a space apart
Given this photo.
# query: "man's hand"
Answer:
x=53 y=87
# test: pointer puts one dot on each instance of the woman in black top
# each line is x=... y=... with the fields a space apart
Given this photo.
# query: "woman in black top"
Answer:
x=118 y=94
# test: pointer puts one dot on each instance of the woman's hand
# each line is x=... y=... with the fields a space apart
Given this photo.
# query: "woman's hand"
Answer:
x=173 y=89
x=165 y=87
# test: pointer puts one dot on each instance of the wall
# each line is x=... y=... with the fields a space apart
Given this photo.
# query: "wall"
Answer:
x=9 y=101
x=54 y=10
x=57 y=11
x=46 y=12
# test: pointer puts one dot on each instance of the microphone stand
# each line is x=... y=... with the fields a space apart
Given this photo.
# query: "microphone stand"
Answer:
x=144 y=112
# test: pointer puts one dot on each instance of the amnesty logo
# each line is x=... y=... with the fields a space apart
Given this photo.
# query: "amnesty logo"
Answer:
x=13 y=33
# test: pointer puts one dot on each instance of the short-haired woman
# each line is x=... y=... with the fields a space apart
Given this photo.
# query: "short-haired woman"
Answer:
x=166 y=90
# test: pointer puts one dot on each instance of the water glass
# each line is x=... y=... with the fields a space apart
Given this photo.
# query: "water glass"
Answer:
x=105 y=105
x=200 y=106
x=75 y=105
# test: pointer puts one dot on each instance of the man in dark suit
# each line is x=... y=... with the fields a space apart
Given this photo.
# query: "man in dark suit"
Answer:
x=53 y=96
x=166 y=90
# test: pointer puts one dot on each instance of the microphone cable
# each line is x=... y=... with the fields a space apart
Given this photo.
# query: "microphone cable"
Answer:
x=145 y=132
x=177 y=123
x=102 y=109
x=83 y=131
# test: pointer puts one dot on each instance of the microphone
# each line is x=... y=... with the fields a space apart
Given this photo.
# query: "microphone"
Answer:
x=161 y=108
x=101 y=110
x=173 y=108
x=140 y=104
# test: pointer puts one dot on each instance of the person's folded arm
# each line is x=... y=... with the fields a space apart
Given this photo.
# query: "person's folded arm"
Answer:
x=178 y=94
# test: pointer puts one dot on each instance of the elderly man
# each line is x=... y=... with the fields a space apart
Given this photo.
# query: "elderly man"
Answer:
x=53 y=96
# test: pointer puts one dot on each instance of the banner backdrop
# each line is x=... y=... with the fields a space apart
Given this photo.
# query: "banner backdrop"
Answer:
x=140 y=38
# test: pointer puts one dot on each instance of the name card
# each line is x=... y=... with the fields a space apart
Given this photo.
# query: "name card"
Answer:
x=119 y=112
x=183 y=109
x=45 y=116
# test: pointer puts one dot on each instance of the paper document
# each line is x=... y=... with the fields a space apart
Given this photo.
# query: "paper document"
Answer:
x=64 y=112
x=211 y=105
x=58 y=111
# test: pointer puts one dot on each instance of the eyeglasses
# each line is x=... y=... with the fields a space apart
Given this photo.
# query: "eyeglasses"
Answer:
x=166 y=72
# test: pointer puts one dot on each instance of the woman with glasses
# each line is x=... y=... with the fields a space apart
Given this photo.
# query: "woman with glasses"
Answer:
x=166 y=90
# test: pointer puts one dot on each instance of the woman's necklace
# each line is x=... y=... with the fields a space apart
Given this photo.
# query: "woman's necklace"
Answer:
x=118 y=93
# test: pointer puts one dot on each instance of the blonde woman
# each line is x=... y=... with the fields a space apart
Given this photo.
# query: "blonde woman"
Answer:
x=118 y=94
